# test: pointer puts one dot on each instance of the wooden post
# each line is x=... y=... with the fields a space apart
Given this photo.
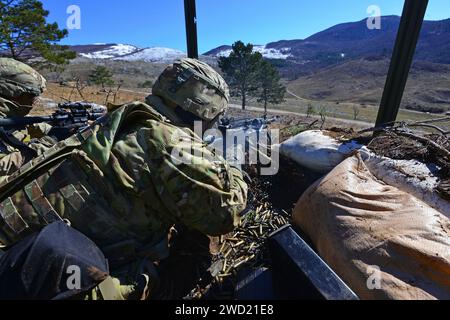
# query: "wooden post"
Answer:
x=191 y=28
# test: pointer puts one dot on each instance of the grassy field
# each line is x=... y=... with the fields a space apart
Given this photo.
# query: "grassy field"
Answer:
x=346 y=111
x=363 y=81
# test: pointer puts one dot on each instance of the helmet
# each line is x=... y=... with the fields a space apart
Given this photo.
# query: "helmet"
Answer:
x=17 y=78
x=195 y=87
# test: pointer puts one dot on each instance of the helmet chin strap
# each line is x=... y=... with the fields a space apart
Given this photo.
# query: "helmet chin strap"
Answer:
x=187 y=117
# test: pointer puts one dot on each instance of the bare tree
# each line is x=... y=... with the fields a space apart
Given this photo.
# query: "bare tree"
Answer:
x=80 y=86
x=323 y=112
x=117 y=90
x=310 y=111
x=356 y=111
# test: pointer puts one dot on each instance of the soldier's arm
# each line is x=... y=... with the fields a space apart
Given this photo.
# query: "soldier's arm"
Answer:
x=208 y=192
x=204 y=192
x=11 y=161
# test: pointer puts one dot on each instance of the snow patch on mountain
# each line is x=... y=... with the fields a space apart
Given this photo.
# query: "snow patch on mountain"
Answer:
x=127 y=52
x=155 y=54
x=269 y=53
x=112 y=52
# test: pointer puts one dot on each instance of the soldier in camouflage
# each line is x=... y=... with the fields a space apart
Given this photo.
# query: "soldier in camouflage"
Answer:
x=119 y=184
x=20 y=88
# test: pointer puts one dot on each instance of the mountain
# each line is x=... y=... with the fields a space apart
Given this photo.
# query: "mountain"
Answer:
x=355 y=40
x=344 y=63
x=113 y=51
x=155 y=54
x=348 y=41
x=105 y=51
x=267 y=52
x=362 y=81
x=127 y=52
x=335 y=45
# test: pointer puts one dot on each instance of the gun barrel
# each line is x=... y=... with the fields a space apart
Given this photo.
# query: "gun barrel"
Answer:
x=10 y=123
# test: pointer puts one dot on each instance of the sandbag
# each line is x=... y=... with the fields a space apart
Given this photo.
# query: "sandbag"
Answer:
x=318 y=150
x=359 y=225
x=411 y=176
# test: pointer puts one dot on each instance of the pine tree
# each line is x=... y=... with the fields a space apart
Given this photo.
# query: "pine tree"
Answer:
x=241 y=70
x=270 y=89
x=101 y=76
x=25 y=34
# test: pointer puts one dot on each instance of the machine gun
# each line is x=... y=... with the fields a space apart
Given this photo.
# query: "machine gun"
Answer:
x=246 y=124
x=67 y=120
x=249 y=132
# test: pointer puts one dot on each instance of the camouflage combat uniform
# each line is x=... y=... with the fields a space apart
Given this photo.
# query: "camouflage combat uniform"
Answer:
x=16 y=79
x=119 y=184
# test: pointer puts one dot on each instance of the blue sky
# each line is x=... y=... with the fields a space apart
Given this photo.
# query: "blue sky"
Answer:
x=161 y=22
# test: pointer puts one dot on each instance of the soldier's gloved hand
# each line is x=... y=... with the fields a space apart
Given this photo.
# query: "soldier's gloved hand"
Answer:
x=136 y=281
x=138 y=290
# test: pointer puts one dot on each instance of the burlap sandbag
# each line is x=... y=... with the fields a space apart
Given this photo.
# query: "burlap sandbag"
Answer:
x=357 y=222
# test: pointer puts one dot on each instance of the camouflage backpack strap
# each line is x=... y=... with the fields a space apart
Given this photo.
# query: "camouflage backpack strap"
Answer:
x=59 y=152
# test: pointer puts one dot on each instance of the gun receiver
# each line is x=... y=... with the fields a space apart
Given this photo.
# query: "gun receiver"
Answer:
x=67 y=120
